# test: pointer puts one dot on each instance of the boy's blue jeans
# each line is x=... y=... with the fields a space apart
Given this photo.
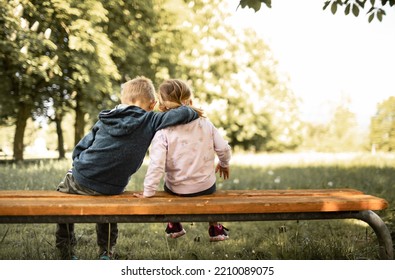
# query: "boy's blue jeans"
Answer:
x=107 y=234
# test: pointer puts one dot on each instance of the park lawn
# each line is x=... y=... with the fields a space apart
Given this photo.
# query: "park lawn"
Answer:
x=306 y=240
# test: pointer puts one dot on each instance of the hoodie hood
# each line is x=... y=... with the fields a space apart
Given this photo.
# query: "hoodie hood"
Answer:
x=122 y=120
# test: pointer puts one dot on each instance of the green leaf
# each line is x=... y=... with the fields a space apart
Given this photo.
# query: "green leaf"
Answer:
x=371 y=17
x=379 y=15
x=253 y=4
x=326 y=4
x=257 y=6
x=334 y=7
x=361 y=3
x=347 y=10
x=355 y=10
x=268 y=3
x=242 y=4
x=371 y=10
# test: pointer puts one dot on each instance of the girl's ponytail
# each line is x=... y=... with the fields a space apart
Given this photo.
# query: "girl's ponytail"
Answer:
x=174 y=93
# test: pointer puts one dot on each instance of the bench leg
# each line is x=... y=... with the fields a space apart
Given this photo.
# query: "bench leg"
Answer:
x=382 y=233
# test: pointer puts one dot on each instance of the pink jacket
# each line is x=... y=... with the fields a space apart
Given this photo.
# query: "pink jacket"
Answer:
x=186 y=154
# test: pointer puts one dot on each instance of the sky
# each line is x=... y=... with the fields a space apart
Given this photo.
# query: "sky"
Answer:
x=328 y=58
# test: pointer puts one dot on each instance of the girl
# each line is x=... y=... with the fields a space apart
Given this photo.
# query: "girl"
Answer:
x=186 y=154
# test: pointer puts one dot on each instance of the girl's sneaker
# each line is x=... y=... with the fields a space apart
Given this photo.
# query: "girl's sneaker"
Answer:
x=174 y=230
x=218 y=233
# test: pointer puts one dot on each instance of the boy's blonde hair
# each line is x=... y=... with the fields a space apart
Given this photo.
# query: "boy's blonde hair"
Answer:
x=139 y=89
x=174 y=93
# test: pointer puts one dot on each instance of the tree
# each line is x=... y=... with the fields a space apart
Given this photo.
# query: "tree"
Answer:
x=25 y=66
x=96 y=44
x=93 y=69
x=130 y=27
x=73 y=55
x=342 y=129
x=382 y=127
x=57 y=93
x=48 y=73
x=234 y=77
x=174 y=39
x=339 y=134
x=373 y=8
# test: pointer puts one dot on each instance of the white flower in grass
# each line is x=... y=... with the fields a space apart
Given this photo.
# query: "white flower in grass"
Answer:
x=47 y=33
x=236 y=181
x=270 y=172
x=330 y=184
x=277 y=180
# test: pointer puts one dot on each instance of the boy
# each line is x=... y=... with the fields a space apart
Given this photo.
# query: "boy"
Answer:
x=114 y=149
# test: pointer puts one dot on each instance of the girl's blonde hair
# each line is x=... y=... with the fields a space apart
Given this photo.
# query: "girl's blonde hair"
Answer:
x=140 y=88
x=174 y=93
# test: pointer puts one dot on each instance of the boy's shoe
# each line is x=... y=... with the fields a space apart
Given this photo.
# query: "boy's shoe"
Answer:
x=218 y=233
x=66 y=254
x=174 y=230
x=106 y=255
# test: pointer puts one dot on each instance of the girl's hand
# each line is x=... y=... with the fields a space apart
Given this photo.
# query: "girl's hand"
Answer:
x=223 y=171
x=139 y=195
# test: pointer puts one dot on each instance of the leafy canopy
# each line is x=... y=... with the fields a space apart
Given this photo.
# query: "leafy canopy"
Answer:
x=374 y=8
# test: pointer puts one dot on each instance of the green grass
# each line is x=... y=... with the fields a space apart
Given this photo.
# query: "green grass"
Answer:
x=306 y=240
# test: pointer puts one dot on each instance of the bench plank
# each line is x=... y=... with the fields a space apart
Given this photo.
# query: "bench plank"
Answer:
x=290 y=192
x=34 y=203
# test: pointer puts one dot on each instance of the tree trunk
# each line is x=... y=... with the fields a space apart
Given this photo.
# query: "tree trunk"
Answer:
x=59 y=132
x=79 y=124
x=22 y=117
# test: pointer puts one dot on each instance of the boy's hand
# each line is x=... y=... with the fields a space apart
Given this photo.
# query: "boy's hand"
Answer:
x=223 y=171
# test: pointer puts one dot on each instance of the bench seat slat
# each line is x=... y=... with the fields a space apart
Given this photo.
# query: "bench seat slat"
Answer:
x=227 y=193
x=166 y=204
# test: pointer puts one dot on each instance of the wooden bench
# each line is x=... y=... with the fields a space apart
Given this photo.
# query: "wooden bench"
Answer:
x=27 y=206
